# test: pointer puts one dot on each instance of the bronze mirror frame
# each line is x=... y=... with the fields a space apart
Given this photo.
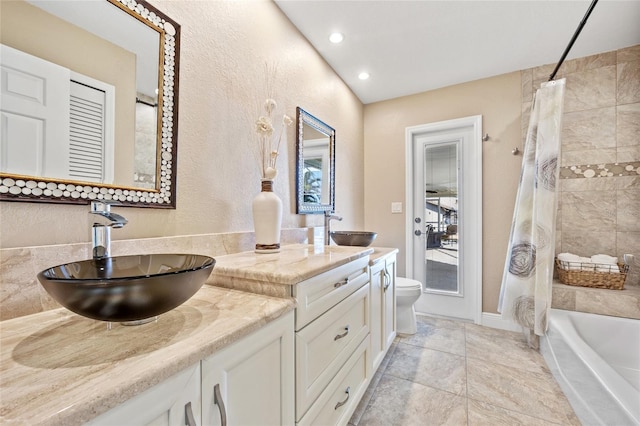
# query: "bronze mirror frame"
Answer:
x=39 y=189
x=303 y=206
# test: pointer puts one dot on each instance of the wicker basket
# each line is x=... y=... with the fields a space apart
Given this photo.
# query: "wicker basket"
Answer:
x=591 y=274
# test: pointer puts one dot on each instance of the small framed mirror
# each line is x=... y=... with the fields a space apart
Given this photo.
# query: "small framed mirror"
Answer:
x=315 y=164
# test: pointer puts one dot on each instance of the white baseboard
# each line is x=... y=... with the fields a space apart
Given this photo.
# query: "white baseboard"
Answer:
x=496 y=321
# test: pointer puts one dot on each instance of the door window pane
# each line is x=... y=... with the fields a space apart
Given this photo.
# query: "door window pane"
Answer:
x=441 y=217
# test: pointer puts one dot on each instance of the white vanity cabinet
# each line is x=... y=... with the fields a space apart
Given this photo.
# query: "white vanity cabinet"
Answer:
x=250 y=382
x=341 y=306
x=332 y=343
x=176 y=401
x=383 y=307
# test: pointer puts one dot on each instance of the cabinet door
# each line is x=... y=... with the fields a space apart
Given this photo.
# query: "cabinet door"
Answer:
x=164 y=404
x=378 y=339
x=389 y=296
x=252 y=381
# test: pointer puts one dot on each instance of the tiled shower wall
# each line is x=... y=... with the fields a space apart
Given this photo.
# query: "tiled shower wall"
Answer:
x=599 y=203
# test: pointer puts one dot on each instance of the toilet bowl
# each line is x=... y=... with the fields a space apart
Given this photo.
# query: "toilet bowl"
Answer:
x=407 y=292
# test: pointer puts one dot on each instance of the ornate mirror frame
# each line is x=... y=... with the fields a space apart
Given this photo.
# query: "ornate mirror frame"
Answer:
x=37 y=189
x=302 y=206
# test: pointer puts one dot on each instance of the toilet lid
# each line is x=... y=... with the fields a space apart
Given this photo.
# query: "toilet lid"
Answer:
x=407 y=283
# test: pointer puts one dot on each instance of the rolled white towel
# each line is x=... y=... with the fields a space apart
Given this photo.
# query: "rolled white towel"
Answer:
x=586 y=265
x=603 y=258
x=569 y=257
x=610 y=268
x=571 y=262
x=597 y=263
x=613 y=269
x=580 y=263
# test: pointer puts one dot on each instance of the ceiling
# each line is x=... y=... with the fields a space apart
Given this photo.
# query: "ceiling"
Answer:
x=410 y=47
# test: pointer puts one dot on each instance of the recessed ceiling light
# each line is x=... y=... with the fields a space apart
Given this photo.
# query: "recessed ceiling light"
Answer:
x=336 y=37
x=363 y=75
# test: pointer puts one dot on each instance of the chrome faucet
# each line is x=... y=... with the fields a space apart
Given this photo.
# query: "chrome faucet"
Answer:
x=101 y=233
x=327 y=225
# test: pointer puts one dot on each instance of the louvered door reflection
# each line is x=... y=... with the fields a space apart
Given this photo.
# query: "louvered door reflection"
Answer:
x=86 y=133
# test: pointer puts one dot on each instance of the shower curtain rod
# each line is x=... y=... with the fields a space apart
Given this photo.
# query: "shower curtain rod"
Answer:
x=573 y=39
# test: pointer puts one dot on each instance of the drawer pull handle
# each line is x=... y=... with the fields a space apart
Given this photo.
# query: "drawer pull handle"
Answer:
x=189 y=420
x=340 y=336
x=387 y=280
x=341 y=403
x=341 y=283
x=217 y=399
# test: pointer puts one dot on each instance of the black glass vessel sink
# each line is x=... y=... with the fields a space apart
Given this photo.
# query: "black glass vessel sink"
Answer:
x=353 y=238
x=127 y=288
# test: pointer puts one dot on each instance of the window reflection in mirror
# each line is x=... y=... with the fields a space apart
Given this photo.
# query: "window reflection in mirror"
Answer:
x=315 y=165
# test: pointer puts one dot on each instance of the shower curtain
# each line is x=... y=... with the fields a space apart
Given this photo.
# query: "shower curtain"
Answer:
x=525 y=295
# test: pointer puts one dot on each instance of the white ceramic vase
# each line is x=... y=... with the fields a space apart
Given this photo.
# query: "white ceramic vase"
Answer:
x=267 y=219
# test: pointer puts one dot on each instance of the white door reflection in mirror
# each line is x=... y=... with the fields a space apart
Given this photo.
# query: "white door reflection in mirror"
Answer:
x=54 y=122
x=33 y=108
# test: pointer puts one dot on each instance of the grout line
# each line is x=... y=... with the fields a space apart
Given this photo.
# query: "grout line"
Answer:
x=434 y=349
x=516 y=411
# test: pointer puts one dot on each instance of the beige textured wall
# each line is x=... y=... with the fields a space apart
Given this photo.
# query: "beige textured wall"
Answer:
x=225 y=45
x=498 y=100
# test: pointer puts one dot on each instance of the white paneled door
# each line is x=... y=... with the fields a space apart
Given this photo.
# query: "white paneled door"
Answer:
x=444 y=229
x=34 y=112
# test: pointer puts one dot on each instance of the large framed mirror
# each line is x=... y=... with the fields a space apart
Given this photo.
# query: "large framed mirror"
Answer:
x=315 y=164
x=89 y=102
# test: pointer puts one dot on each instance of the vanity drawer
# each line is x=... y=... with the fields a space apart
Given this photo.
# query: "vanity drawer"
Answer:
x=318 y=294
x=323 y=346
x=336 y=404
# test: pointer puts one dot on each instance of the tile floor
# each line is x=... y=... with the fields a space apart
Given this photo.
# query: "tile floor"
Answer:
x=456 y=373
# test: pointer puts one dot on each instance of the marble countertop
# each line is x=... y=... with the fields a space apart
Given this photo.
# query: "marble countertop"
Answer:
x=294 y=263
x=58 y=368
x=379 y=253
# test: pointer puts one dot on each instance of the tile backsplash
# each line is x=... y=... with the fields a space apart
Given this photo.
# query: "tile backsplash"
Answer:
x=21 y=293
x=600 y=170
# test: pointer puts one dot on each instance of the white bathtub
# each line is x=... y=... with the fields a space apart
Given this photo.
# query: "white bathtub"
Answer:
x=596 y=360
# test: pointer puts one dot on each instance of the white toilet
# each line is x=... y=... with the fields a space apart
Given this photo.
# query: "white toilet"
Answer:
x=407 y=292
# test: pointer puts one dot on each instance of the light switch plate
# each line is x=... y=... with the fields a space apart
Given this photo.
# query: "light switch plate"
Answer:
x=396 y=207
